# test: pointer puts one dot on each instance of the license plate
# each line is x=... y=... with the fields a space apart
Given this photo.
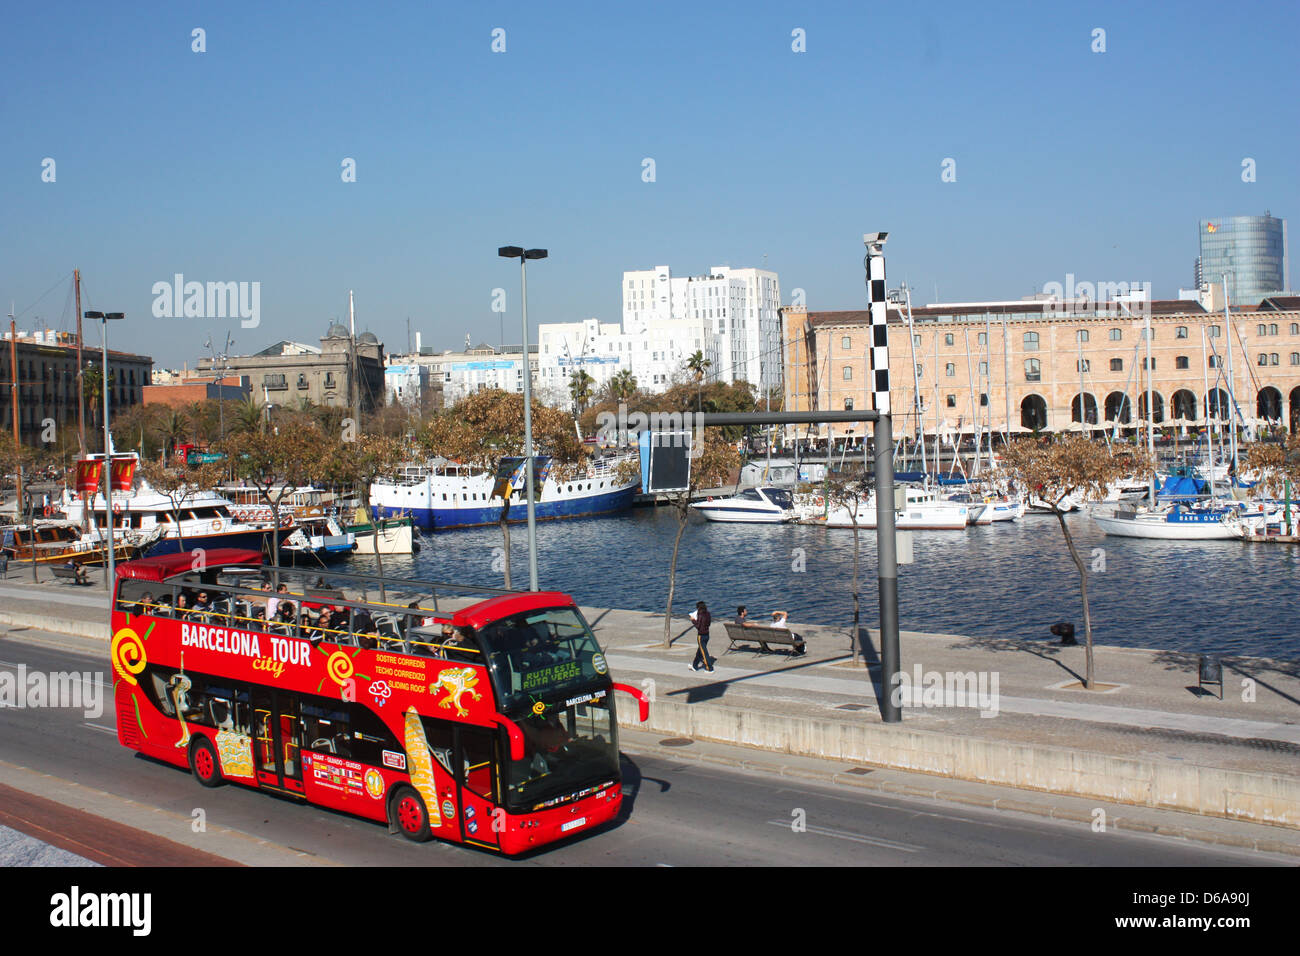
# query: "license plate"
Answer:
x=573 y=824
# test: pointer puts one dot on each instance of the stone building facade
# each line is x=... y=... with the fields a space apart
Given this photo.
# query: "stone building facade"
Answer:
x=1052 y=366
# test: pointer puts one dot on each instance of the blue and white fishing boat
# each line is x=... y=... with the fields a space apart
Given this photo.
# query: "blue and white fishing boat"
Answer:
x=443 y=495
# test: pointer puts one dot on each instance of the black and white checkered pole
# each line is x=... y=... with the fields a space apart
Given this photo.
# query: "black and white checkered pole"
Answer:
x=886 y=534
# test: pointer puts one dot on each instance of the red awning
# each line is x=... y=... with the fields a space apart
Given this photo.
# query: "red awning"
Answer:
x=493 y=609
x=164 y=566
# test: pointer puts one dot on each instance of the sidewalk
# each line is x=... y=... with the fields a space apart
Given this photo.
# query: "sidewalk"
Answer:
x=1153 y=740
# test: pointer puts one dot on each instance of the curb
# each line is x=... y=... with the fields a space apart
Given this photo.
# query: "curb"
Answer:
x=90 y=629
x=893 y=788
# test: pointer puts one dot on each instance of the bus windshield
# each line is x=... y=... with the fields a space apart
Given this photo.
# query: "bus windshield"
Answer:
x=544 y=652
x=567 y=745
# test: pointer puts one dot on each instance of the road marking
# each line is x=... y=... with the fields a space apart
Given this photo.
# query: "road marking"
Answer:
x=854 y=837
x=109 y=730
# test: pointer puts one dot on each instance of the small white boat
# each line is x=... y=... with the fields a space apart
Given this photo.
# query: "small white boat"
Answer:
x=751 y=506
x=321 y=539
x=1181 y=522
x=925 y=511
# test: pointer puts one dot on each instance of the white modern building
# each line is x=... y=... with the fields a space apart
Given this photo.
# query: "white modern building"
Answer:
x=732 y=316
x=406 y=384
x=477 y=367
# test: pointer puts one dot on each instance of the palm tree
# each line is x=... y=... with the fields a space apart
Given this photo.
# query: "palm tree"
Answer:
x=580 y=384
x=698 y=365
x=248 y=417
x=623 y=385
x=173 y=427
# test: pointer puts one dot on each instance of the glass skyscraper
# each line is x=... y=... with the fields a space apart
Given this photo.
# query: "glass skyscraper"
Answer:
x=1250 y=250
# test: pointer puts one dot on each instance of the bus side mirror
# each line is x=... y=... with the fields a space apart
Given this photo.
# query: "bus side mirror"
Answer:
x=516 y=736
x=642 y=699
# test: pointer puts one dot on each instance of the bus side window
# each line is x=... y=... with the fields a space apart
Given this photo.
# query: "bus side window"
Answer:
x=371 y=736
x=136 y=597
x=326 y=727
x=439 y=734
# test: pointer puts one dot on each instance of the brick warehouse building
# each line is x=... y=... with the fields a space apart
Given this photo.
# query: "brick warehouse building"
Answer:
x=47 y=382
x=1027 y=363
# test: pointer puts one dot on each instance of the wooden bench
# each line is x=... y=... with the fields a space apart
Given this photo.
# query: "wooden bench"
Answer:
x=75 y=574
x=763 y=636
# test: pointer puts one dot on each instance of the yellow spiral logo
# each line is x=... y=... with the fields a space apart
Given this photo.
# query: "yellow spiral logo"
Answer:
x=127 y=653
x=339 y=667
x=539 y=708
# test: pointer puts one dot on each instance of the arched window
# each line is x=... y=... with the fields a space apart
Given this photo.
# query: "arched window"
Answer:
x=1262 y=329
x=848 y=373
x=950 y=369
x=1180 y=332
x=1031 y=341
x=1295 y=358
x=1083 y=335
x=947 y=339
x=1033 y=370
x=1033 y=413
x=1116 y=335
x=848 y=404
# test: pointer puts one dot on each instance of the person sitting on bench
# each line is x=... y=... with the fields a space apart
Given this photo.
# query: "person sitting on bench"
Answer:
x=780 y=619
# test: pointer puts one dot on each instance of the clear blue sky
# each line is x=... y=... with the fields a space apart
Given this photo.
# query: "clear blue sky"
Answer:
x=225 y=165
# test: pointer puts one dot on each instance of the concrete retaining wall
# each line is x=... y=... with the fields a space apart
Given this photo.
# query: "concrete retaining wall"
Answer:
x=1254 y=797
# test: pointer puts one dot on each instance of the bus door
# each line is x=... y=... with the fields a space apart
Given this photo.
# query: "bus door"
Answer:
x=479 y=782
x=277 y=740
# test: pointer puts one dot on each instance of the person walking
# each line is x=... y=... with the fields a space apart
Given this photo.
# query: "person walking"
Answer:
x=702 y=620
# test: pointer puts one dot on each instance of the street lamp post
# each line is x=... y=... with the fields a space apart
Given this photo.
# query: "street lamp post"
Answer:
x=523 y=255
x=109 y=564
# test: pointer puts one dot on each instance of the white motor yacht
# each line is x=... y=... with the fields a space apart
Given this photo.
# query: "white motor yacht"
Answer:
x=751 y=506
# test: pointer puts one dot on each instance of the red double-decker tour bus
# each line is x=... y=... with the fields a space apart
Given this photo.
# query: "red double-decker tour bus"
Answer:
x=489 y=722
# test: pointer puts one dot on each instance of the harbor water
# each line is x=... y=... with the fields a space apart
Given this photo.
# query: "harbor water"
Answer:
x=1005 y=581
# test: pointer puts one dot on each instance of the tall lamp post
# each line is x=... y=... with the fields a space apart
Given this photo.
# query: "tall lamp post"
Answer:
x=109 y=565
x=523 y=255
x=221 y=378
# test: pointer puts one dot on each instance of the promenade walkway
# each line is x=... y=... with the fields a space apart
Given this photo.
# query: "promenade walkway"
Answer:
x=1151 y=739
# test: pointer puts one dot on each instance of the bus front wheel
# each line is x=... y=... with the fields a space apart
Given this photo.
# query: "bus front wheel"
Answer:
x=203 y=763
x=408 y=811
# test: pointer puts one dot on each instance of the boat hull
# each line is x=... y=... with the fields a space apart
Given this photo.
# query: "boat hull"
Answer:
x=547 y=509
x=1164 y=530
x=741 y=515
x=257 y=540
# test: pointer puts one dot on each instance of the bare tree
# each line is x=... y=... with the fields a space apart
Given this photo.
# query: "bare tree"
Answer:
x=1070 y=466
x=710 y=465
x=849 y=492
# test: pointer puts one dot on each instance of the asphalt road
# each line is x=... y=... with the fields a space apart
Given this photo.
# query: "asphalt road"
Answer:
x=677 y=813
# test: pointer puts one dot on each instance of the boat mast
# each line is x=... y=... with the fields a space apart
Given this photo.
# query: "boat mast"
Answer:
x=354 y=387
x=13 y=384
x=81 y=393
x=1209 y=432
x=1151 y=412
x=1006 y=372
x=916 y=379
x=974 y=410
x=1232 y=384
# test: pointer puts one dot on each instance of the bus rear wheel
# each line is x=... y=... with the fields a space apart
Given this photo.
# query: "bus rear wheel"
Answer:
x=406 y=807
x=203 y=763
